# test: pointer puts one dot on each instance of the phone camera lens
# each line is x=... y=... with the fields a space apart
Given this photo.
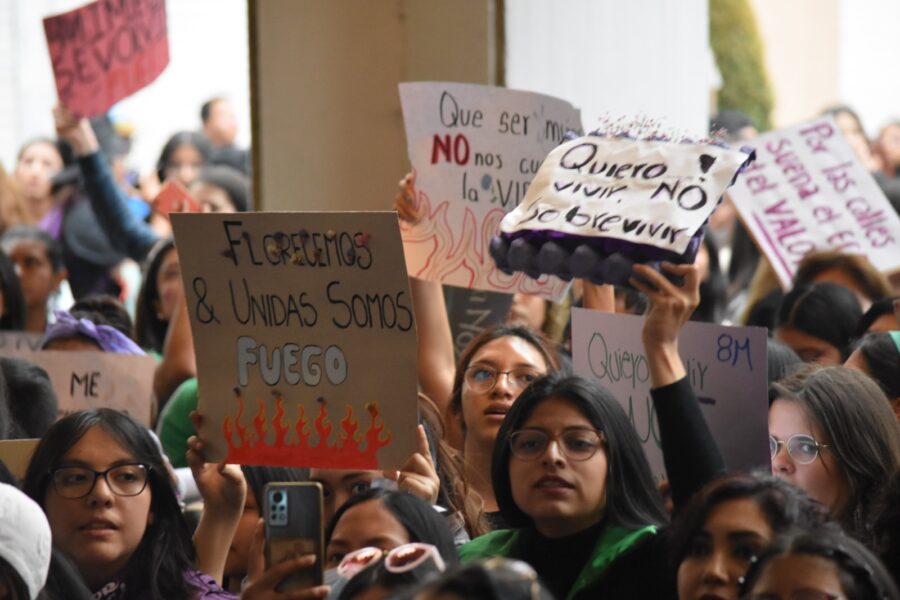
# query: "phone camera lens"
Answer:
x=277 y=497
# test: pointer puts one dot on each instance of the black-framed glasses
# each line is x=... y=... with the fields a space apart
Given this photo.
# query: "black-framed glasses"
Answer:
x=803 y=448
x=123 y=480
x=576 y=444
x=483 y=378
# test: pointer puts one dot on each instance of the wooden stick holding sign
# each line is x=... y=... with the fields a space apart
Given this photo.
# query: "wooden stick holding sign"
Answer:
x=305 y=338
x=474 y=150
x=807 y=191
x=105 y=51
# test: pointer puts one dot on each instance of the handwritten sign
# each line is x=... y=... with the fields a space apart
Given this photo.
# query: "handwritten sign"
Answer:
x=22 y=341
x=305 y=338
x=807 y=191
x=87 y=379
x=472 y=311
x=727 y=370
x=645 y=192
x=475 y=150
x=105 y=51
x=16 y=454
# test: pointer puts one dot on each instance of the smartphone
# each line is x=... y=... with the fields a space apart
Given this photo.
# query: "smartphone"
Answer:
x=293 y=520
x=173 y=197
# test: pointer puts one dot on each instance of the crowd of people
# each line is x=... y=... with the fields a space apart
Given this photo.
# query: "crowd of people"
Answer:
x=527 y=482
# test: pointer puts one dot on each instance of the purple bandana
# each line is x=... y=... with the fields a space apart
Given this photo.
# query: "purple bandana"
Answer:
x=108 y=338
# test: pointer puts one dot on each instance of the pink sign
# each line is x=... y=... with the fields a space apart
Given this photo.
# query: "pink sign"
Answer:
x=105 y=51
x=807 y=191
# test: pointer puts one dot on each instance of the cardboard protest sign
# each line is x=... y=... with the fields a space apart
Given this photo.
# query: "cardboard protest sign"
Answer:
x=305 y=338
x=727 y=367
x=649 y=192
x=174 y=197
x=808 y=191
x=105 y=51
x=21 y=341
x=16 y=454
x=474 y=150
x=472 y=311
x=98 y=380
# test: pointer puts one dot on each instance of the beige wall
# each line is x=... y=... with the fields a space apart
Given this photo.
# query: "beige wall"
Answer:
x=801 y=41
x=328 y=131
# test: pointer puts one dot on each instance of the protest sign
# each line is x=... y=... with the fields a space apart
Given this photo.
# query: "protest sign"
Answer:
x=650 y=192
x=174 y=197
x=807 y=191
x=471 y=311
x=301 y=320
x=727 y=368
x=474 y=150
x=98 y=380
x=22 y=341
x=105 y=51
x=16 y=454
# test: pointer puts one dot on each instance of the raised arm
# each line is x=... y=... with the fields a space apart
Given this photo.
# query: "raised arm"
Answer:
x=126 y=233
x=599 y=297
x=178 y=361
x=435 y=360
x=224 y=491
x=690 y=453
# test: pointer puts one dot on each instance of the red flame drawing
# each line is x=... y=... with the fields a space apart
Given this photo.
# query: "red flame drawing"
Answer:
x=248 y=445
x=452 y=250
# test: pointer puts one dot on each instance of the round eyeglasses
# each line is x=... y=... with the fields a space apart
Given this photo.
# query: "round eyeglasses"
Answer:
x=803 y=448
x=576 y=444
x=78 y=482
x=483 y=378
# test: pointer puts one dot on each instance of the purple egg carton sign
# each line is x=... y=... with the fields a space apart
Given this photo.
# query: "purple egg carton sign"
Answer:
x=601 y=203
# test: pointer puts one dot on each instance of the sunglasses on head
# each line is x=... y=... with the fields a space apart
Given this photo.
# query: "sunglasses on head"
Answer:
x=398 y=560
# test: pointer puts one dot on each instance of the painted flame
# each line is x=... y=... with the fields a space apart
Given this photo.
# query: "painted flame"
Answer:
x=249 y=445
x=460 y=254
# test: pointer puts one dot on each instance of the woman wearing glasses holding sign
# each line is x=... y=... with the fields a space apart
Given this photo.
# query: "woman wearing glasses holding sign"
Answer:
x=100 y=479
x=570 y=474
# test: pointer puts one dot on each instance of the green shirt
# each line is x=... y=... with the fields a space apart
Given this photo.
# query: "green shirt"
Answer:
x=175 y=425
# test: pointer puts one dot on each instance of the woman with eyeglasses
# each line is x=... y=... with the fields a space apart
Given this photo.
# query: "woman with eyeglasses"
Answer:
x=571 y=478
x=491 y=373
x=824 y=564
x=835 y=436
x=100 y=478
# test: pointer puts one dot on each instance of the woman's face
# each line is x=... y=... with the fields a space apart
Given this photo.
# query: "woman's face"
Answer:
x=821 y=479
x=38 y=163
x=239 y=550
x=734 y=532
x=809 y=348
x=212 y=198
x=798 y=576
x=366 y=524
x=890 y=145
x=169 y=286
x=562 y=495
x=184 y=165
x=339 y=485
x=528 y=310
x=100 y=531
x=34 y=269
x=483 y=411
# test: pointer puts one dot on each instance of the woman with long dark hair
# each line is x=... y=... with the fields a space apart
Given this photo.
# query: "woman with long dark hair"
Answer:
x=101 y=480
